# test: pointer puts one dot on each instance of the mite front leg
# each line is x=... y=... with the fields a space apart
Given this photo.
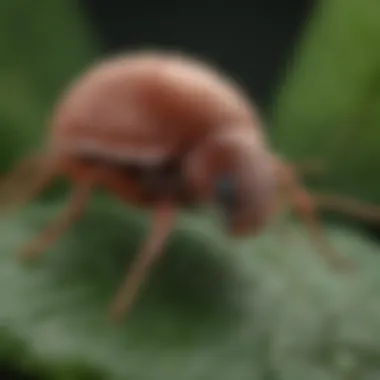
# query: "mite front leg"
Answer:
x=57 y=227
x=348 y=206
x=305 y=207
x=163 y=221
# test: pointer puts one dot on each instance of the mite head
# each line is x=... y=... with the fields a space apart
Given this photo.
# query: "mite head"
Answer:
x=235 y=172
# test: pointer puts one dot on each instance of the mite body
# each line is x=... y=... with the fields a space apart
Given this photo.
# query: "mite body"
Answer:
x=163 y=130
x=182 y=125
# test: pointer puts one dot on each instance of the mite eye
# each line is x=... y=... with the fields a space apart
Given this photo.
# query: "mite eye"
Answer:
x=225 y=193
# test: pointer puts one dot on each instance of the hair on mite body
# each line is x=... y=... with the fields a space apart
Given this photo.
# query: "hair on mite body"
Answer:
x=164 y=130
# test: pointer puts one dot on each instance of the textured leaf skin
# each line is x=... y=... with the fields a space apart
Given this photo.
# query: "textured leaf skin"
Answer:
x=329 y=104
x=211 y=307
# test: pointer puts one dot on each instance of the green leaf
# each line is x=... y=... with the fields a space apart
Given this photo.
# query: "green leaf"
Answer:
x=328 y=106
x=34 y=70
x=53 y=45
x=212 y=308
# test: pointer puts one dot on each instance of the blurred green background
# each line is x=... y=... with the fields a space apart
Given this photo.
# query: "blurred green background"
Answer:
x=263 y=308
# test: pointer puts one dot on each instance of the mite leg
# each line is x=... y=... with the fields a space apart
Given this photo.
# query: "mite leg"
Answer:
x=23 y=168
x=304 y=205
x=36 y=172
x=306 y=208
x=78 y=200
x=348 y=206
x=163 y=221
x=335 y=202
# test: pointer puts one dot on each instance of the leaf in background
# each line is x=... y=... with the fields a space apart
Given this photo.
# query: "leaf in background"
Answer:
x=42 y=46
x=21 y=115
x=211 y=309
x=329 y=105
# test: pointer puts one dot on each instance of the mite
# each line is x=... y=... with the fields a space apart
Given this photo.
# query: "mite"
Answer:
x=163 y=130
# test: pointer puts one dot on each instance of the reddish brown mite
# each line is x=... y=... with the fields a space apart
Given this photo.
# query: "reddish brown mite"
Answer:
x=164 y=130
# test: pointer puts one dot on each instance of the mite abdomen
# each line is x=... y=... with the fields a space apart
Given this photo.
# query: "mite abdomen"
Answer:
x=147 y=104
